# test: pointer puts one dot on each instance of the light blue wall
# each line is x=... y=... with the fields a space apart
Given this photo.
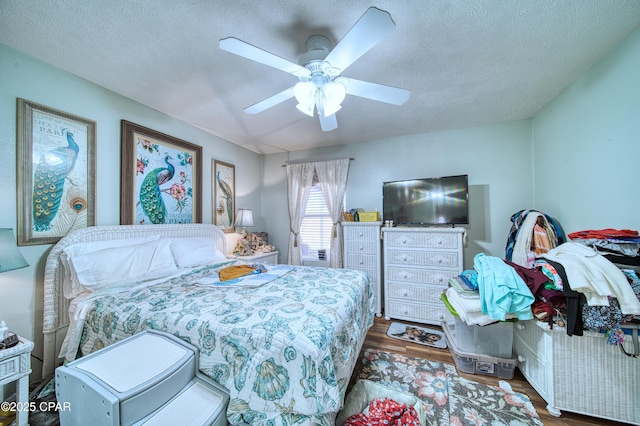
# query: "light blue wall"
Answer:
x=497 y=159
x=587 y=146
x=21 y=293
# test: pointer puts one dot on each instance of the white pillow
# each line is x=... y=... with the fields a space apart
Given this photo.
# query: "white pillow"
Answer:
x=70 y=285
x=195 y=251
x=121 y=265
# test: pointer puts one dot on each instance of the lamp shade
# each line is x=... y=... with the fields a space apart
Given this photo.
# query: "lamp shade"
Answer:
x=10 y=257
x=305 y=93
x=333 y=95
x=244 y=217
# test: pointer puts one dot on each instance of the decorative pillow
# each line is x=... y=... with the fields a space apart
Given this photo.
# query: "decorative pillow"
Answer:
x=195 y=251
x=71 y=287
x=121 y=265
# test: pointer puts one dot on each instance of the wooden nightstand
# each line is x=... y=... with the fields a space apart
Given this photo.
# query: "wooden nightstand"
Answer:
x=266 y=258
x=15 y=364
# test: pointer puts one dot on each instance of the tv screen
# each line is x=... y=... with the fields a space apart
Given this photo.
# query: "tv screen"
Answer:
x=428 y=201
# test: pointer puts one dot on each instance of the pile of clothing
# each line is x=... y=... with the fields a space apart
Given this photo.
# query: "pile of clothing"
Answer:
x=583 y=288
x=385 y=412
x=570 y=281
x=492 y=291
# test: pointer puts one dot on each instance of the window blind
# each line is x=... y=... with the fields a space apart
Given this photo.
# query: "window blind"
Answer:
x=316 y=229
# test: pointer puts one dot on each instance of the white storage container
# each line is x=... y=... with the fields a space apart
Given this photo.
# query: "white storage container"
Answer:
x=478 y=363
x=493 y=340
x=148 y=378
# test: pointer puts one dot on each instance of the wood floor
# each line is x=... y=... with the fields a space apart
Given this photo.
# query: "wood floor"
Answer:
x=377 y=339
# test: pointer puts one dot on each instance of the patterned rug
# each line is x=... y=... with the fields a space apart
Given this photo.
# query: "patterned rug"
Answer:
x=448 y=399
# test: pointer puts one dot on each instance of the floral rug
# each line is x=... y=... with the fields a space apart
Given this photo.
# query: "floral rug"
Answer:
x=447 y=398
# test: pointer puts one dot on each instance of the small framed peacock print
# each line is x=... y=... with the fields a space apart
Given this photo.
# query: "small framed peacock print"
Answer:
x=223 y=182
x=55 y=173
x=161 y=178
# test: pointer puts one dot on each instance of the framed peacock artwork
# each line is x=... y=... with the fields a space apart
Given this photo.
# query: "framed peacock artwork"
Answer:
x=224 y=195
x=161 y=178
x=55 y=173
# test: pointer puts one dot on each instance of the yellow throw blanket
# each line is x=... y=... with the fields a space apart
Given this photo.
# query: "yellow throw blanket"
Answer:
x=237 y=271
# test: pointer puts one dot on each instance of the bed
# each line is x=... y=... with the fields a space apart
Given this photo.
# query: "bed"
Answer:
x=285 y=347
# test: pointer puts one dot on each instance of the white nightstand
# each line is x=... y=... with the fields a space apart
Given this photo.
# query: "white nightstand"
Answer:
x=266 y=258
x=15 y=364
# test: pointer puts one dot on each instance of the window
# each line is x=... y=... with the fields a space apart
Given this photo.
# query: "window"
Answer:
x=317 y=226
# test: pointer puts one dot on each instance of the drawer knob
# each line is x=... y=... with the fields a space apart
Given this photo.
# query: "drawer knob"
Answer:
x=521 y=358
x=361 y=261
x=361 y=234
x=361 y=248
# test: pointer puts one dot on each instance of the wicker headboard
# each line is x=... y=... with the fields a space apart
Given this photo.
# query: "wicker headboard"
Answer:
x=56 y=306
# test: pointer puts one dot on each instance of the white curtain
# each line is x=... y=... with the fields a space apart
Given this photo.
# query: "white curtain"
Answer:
x=299 y=178
x=332 y=176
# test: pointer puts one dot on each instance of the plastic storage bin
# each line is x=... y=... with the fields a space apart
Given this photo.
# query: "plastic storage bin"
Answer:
x=494 y=339
x=477 y=363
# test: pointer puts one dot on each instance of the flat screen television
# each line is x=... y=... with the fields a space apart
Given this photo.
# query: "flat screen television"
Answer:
x=427 y=201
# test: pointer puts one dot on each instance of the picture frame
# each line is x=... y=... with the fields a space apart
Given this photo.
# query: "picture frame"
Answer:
x=223 y=182
x=56 y=172
x=160 y=178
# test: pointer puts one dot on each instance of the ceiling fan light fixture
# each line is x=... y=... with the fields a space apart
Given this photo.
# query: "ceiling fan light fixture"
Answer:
x=305 y=93
x=332 y=96
x=307 y=109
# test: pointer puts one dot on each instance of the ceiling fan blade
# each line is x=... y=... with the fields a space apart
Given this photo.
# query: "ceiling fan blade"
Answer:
x=372 y=27
x=328 y=123
x=270 y=102
x=246 y=50
x=377 y=92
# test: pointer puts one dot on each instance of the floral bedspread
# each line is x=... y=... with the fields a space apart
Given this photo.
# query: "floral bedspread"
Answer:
x=285 y=350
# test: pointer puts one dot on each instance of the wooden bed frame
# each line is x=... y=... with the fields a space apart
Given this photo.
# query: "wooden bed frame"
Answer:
x=56 y=306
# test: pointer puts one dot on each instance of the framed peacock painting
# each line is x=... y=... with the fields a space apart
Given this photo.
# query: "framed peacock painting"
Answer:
x=161 y=178
x=55 y=173
x=224 y=195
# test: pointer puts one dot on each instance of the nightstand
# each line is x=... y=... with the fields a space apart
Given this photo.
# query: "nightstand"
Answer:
x=15 y=364
x=266 y=258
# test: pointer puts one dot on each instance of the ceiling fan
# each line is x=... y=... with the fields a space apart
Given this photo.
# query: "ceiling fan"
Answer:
x=321 y=86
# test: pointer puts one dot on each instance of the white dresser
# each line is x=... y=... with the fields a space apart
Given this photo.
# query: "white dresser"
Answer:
x=582 y=374
x=362 y=252
x=418 y=263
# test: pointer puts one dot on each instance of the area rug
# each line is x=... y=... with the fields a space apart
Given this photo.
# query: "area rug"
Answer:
x=447 y=398
x=421 y=335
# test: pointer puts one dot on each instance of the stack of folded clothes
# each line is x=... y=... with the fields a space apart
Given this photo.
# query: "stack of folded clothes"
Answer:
x=465 y=301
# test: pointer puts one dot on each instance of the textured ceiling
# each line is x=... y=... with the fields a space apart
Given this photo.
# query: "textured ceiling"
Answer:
x=465 y=62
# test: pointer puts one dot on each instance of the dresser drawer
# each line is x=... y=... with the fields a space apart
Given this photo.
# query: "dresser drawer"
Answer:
x=444 y=241
x=362 y=233
x=531 y=366
x=420 y=312
x=533 y=337
x=359 y=261
x=423 y=258
x=414 y=292
x=9 y=367
x=362 y=247
x=439 y=277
